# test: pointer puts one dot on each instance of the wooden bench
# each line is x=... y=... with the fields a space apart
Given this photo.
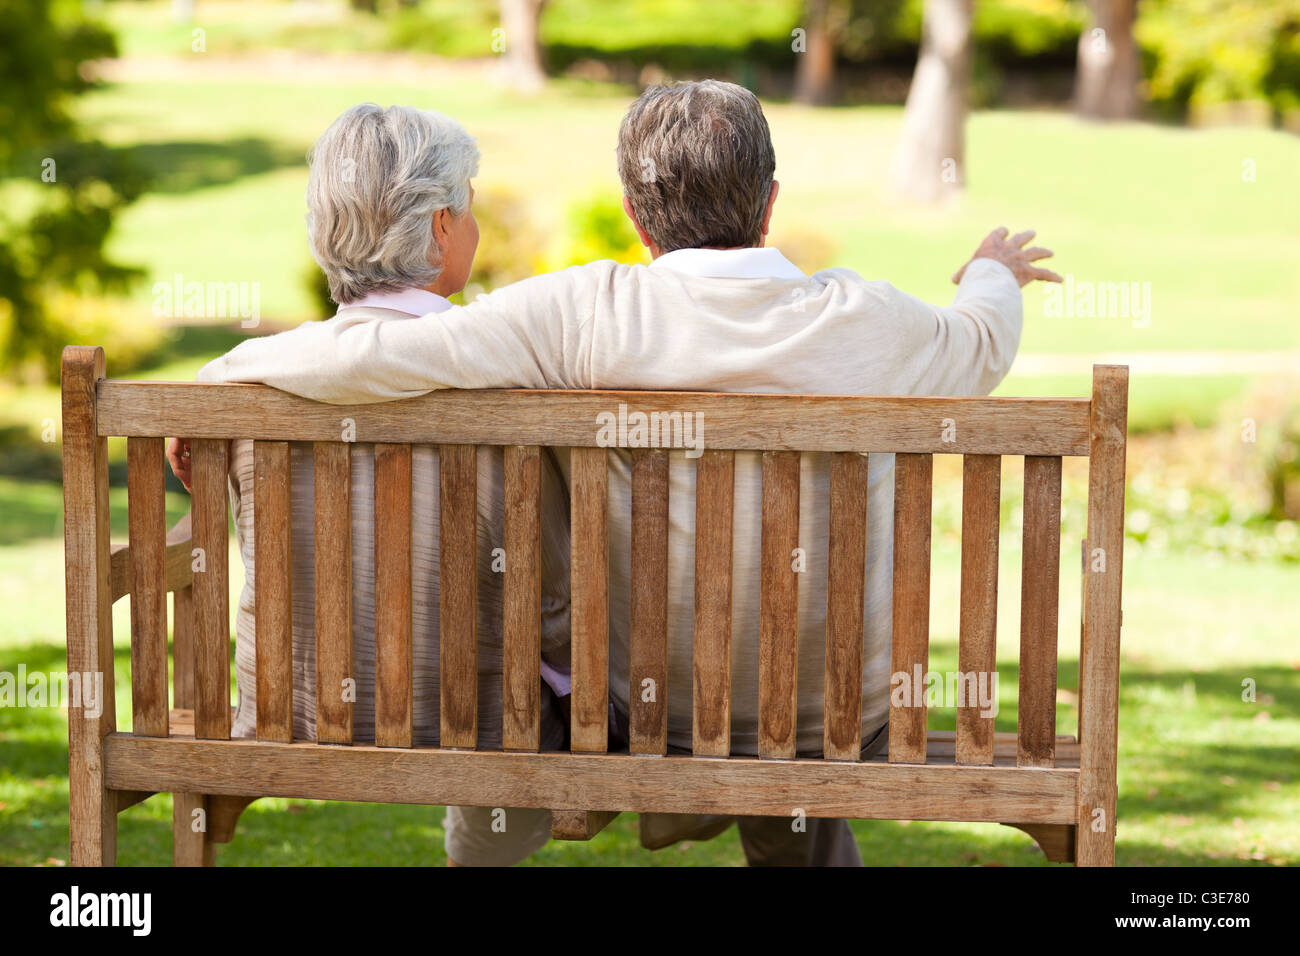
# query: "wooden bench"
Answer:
x=1059 y=790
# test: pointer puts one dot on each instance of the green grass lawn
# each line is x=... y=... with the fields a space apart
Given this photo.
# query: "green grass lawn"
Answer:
x=1124 y=203
x=1127 y=203
x=226 y=140
x=1204 y=777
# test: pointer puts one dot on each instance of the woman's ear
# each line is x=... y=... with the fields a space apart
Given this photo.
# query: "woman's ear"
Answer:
x=442 y=227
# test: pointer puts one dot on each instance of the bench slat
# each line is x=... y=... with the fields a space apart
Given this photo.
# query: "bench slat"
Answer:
x=273 y=595
x=393 y=712
x=589 y=600
x=147 y=519
x=715 y=474
x=673 y=784
x=211 y=593
x=183 y=647
x=332 y=558
x=978 y=627
x=458 y=595
x=778 y=614
x=845 y=593
x=1002 y=426
x=910 y=654
x=521 y=659
x=648 y=654
x=1039 y=589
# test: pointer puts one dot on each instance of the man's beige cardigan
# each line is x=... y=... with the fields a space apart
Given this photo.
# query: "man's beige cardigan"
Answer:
x=713 y=320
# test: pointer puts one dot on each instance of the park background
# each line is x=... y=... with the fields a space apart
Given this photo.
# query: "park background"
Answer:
x=141 y=141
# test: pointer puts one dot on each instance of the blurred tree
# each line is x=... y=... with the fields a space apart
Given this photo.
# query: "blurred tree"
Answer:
x=814 y=78
x=853 y=28
x=931 y=158
x=523 y=54
x=365 y=6
x=54 y=241
x=1106 y=84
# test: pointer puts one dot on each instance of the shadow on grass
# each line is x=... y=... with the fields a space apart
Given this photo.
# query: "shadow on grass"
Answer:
x=181 y=167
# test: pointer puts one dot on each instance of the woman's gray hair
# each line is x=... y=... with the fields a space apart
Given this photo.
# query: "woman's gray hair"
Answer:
x=377 y=177
x=696 y=162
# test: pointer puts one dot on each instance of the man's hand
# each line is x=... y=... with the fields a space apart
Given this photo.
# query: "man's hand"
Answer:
x=178 y=456
x=1010 y=253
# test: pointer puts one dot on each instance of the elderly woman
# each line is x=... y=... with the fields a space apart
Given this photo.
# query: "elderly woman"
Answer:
x=390 y=223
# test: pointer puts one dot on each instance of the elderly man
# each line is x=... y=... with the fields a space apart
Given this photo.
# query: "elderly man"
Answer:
x=715 y=311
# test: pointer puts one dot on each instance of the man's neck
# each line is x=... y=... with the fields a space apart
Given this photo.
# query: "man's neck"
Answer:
x=656 y=252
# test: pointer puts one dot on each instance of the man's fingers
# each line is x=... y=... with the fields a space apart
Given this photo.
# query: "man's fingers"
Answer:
x=1047 y=275
x=999 y=233
x=1020 y=238
x=1034 y=253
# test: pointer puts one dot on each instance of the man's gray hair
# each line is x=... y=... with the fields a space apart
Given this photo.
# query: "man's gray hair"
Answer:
x=696 y=162
x=377 y=177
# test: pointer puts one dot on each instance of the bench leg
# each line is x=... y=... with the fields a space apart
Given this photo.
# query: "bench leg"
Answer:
x=191 y=838
x=216 y=824
x=223 y=815
x=579 y=824
x=1056 y=840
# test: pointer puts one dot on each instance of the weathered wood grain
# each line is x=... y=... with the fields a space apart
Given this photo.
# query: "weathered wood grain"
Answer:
x=1039 y=597
x=1099 y=654
x=274 y=593
x=993 y=426
x=778 y=609
x=978 y=624
x=521 y=657
x=589 y=600
x=394 y=718
x=648 y=657
x=92 y=814
x=147 y=528
x=332 y=559
x=910 y=653
x=458 y=595
x=845 y=593
x=211 y=588
x=714 y=505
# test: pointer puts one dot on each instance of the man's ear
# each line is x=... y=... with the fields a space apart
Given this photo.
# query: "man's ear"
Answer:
x=641 y=233
x=771 y=201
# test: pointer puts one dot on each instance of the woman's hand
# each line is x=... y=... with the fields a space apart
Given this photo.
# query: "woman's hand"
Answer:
x=178 y=456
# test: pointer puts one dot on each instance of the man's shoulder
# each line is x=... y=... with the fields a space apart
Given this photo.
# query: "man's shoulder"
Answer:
x=848 y=279
x=847 y=290
x=561 y=285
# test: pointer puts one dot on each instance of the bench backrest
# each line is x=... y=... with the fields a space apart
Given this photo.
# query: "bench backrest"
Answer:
x=982 y=430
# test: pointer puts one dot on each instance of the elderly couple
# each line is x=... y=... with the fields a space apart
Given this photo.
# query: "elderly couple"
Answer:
x=390 y=222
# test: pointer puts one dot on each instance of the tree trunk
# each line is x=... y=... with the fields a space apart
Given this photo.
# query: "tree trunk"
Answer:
x=523 y=49
x=1106 y=84
x=931 y=159
x=814 y=80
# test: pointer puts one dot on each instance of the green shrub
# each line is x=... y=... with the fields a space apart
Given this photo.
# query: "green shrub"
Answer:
x=599 y=229
x=1203 y=52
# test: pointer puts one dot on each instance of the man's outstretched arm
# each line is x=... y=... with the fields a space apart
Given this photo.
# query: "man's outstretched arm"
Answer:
x=532 y=334
x=967 y=348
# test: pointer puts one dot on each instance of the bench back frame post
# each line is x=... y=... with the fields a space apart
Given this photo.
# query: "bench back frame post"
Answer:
x=1102 y=615
x=92 y=807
